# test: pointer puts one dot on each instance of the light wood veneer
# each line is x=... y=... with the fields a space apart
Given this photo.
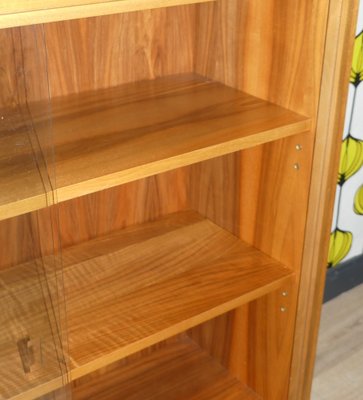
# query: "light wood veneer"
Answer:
x=287 y=53
x=21 y=188
x=179 y=371
x=30 y=354
x=131 y=289
x=27 y=12
x=109 y=137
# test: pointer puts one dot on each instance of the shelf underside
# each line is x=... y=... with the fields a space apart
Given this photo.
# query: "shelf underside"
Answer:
x=178 y=371
x=134 y=288
x=28 y=12
x=113 y=136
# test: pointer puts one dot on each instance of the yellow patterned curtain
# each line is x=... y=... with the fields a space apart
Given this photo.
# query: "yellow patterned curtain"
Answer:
x=351 y=162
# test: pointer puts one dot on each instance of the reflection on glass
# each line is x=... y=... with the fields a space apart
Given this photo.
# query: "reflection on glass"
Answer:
x=33 y=358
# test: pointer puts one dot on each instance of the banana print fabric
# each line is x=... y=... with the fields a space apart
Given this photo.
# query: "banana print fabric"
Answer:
x=346 y=239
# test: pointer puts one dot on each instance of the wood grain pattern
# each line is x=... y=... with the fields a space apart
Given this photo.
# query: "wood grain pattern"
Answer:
x=176 y=372
x=114 y=50
x=20 y=171
x=207 y=119
x=214 y=190
x=337 y=63
x=30 y=343
x=26 y=317
x=275 y=221
x=97 y=53
x=272 y=336
x=175 y=294
x=31 y=359
x=235 y=45
x=215 y=337
x=145 y=200
x=9 y=74
x=233 y=338
x=275 y=52
x=22 y=12
x=22 y=186
x=131 y=289
x=101 y=141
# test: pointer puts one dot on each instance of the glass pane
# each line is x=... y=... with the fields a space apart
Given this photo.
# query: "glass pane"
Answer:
x=33 y=359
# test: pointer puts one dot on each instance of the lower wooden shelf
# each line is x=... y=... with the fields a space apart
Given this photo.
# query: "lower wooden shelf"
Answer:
x=131 y=289
x=30 y=350
x=178 y=371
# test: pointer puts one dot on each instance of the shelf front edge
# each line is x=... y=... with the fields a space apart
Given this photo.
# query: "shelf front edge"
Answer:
x=28 y=16
x=79 y=371
x=181 y=160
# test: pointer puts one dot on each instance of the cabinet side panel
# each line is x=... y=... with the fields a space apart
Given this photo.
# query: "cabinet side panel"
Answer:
x=94 y=53
x=274 y=220
x=337 y=64
x=273 y=50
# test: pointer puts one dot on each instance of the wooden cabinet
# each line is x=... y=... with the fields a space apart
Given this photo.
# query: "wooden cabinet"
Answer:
x=167 y=179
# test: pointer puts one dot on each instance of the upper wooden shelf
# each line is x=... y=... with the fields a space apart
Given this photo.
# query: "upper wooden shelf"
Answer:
x=28 y=12
x=113 y=136
x=134 y=288
x=22 y=185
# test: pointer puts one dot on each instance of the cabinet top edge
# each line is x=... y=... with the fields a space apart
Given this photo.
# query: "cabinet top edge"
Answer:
x=18 y=13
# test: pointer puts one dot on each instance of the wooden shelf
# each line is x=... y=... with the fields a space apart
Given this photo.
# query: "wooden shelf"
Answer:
x=29 y=351
x=21 y=185
x=28 y=12
x=131 y=289
x=179 y=371
x=109 y=137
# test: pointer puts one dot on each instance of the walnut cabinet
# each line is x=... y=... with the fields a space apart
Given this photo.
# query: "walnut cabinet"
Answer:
x=167 y=173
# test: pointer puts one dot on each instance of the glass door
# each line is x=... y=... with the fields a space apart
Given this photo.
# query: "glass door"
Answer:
x=33 y=345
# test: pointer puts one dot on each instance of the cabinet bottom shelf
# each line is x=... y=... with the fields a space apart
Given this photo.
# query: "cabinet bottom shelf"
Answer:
x=178 y=371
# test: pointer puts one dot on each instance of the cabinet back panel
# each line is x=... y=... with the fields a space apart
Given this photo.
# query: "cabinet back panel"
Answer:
x=133 y=203
x=9 y=89
x=274 y=51
x=100 y=52
x=214 y=190
x=19 y=238
x=107 y=51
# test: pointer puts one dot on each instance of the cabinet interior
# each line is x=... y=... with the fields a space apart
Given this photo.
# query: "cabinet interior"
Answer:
x=176 y=167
